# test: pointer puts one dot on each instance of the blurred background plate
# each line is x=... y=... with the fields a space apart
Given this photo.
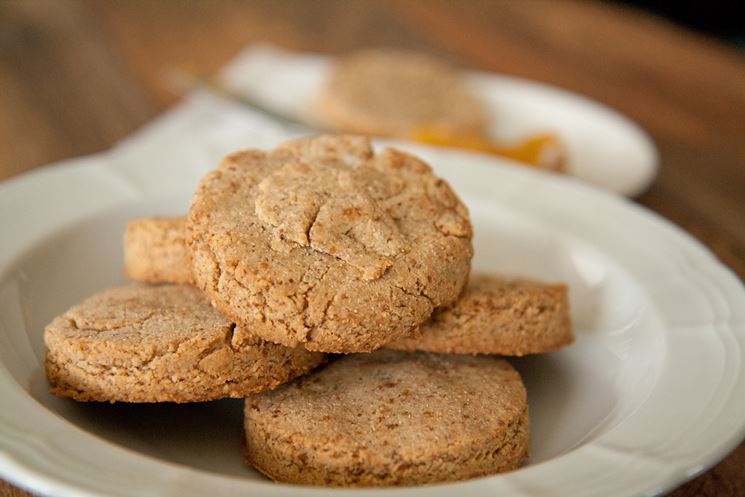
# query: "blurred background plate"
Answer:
x=603 y=147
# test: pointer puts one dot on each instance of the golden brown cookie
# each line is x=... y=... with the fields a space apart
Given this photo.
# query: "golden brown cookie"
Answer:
x=493 y=315
x=391 y=418
x=497 y=315
x=323 y=242
x=161 y=343
x=155 y=250
x=395 y=93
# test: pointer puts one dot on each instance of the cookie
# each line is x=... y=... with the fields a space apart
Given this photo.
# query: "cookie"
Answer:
x=493 y=315
x=497 y=315
x=324 y=243
x=155 y=250
x=397 y=93
x=391 y=418
x=161 y=343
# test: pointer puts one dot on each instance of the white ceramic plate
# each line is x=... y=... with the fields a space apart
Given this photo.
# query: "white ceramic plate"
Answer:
x=604 y=147
x=650 y=394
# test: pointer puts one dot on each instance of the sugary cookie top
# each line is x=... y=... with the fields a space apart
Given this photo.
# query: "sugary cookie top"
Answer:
x=326 y=207
x=344 y=201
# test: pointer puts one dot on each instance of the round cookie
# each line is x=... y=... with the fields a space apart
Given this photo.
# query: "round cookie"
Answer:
x=497 y=315
x=395 y=93
x=391 y=418
x=161 y=343
x=324 y=243
x=155 y=250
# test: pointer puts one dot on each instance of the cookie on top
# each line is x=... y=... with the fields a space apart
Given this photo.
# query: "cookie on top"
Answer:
x=325 y=243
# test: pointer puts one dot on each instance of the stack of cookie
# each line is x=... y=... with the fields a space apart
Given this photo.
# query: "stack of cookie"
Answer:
x=321 y=247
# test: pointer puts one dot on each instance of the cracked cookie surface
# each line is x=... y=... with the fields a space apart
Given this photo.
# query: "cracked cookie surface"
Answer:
x=391 y=418
x=498 y=315
x=142 y=343
x=324 y=243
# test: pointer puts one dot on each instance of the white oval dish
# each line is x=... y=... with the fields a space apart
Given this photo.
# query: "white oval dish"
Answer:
x=650 y=394
x=604 y=147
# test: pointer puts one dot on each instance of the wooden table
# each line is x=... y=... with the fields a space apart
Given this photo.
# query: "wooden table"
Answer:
x=76 y=76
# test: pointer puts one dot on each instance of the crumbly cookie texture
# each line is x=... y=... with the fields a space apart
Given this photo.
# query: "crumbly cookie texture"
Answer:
x=391 y=418
x=161 y=343
x=394 y=93
x=497 y=315
x=155 y=250
x=323 y=242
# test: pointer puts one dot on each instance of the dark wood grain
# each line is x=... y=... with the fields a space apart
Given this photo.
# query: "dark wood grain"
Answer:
x=76 y=76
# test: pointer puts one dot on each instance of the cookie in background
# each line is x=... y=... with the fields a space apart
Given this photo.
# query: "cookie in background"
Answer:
x=418 y=97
